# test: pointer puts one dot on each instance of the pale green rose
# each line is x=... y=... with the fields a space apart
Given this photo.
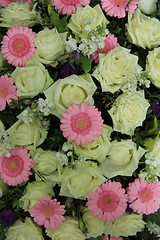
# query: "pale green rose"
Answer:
x=115 y=68
x=47 y=166
x=128 y=225
x=128 y=112
x=84 y=15
x=31 y=80
x=19 y=13
x=80 y=181
x=94 y=226
x=3 y=187
x=69 y=90
x=153 y=145
x=142 y=30
x=123 y=159
x=50 y=45
x=147 y=7
x=153 y=66
x=97 y=149
x=28 y=135
x=33 y=193
x=26 y=230
x=68 y=230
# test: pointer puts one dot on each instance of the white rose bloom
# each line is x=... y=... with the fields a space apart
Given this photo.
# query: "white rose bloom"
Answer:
x=147 y=6
x=128 y=112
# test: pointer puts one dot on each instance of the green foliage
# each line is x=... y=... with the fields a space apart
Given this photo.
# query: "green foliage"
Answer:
x=86 y=63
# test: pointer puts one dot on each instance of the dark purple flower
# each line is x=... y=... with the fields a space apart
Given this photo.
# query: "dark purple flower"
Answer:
x=75 y=55
x=156 y=107
x=27 y=102
x=7 y=218
x=68 y=70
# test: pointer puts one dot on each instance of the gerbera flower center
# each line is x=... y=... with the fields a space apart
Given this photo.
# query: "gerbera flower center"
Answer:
x=81 y=123
x=48 y=212
x=145 y=195
x=108 y=201
x=70 y=2
x=19 y=45
x=13 y=165
x=3 y=92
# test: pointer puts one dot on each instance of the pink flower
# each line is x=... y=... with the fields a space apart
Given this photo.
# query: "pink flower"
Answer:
x=108 y=202
x=4 y=3
x=81 y=124
x=111 y=238
x=143 y=196
x=7 y=91
x=110 y=43
x=48 y=212
x=118 y=8
x=69 y=6
x=18 y=45
x=16 y=168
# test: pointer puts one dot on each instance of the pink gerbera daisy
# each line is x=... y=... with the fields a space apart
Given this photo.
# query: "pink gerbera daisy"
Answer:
x=110 y=43
x=18 y=45
x=7 y=91
x=4 y=3
x=48 y=212
x=16 y=168
x=81 y=124
x=143 y=196
x=68 y=6
x=108 y=202
x=118 y=8
x=111 y=238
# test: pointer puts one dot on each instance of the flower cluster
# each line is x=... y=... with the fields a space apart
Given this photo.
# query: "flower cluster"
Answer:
x=79 y=119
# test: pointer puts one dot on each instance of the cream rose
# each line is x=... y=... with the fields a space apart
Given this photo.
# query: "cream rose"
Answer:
x=83 y=15
x=146 y=6
x=153 y=66
x=127 y=225
x=3 y=187
x=69 y=228
x=123 y=159
x=50 y=45
x=115 y=68
x=33 y=193
x=128 y=112
x=26 y=230
x=19 y=13
x=26 y=134
x=31 y=80
x=97 y=149
x=153 y=145
x=142 y=30
x=81 y=181
x=47 y=165
x=94 y=226
x=69 y=90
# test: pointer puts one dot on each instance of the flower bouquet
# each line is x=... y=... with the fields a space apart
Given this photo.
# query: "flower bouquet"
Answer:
x=79 y=119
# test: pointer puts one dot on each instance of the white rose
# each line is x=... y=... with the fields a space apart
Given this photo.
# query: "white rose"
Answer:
x=78 y=20
x=82 y=180
x=19 y=13
x=115 y=68
x=26 y=230
x=147 y=6
x=50 y=45
x=69 y=90
x=123 y=159
x=31 y=80
x=153 y=66
x=142 y=30
x=128 y=112
x=69 y=230
x=97 y=149
x=33 y=193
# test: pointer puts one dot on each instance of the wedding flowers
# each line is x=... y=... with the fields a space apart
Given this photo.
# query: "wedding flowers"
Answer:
x=144 y=197
x=16 y=168
x=81 y=124
x=108 y=202
x=48 y=212
x=7 y=91
x=18 y=45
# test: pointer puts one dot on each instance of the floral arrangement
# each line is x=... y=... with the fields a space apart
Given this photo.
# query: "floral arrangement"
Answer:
x=79 y=119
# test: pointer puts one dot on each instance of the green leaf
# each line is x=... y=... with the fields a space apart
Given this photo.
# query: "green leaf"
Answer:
x=86 y=63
